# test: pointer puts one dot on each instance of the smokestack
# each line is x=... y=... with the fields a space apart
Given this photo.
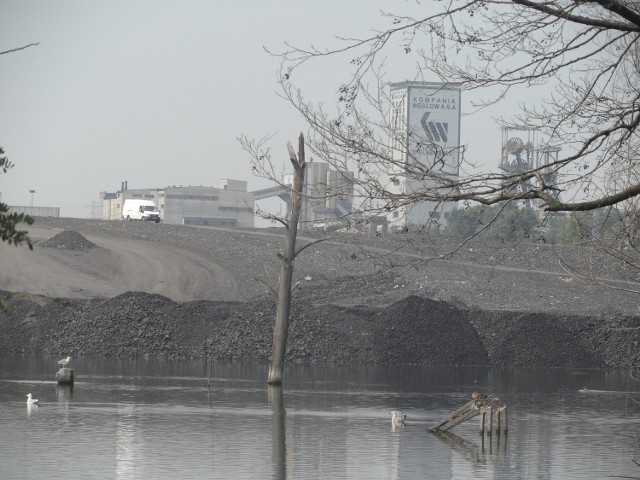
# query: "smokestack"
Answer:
x=126 y=185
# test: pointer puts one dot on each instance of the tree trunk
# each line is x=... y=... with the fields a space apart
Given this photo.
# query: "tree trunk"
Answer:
x=278 y=431
x=283 y=308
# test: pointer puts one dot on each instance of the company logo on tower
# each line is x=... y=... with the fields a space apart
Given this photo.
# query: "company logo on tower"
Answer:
x=436 y=131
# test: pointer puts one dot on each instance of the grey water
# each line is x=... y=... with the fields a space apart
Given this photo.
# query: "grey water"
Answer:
x=150 y=419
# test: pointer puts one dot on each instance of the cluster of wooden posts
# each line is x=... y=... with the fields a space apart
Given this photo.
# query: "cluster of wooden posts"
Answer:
x=501 y=420
x=487 y=408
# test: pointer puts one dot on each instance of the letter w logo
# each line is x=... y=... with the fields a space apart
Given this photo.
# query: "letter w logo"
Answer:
x=436 y=131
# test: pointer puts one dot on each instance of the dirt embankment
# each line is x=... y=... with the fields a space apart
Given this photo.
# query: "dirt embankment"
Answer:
x=361 y=299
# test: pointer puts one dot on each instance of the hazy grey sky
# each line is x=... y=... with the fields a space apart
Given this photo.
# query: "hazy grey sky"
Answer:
x=156 y=92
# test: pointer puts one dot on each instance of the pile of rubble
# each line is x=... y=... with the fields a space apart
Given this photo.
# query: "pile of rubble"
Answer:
x=68 y=240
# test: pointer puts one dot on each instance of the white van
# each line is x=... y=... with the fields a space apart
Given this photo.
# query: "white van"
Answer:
x=140 y=210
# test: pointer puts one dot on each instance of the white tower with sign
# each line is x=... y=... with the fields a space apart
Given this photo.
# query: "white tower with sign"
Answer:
x=425 y=123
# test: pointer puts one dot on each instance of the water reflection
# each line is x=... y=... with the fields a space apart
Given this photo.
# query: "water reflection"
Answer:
x=476 y=452
x=278 y=432
x=168 y=419
x=64 y=393
x=128 y=442
x=31 y=408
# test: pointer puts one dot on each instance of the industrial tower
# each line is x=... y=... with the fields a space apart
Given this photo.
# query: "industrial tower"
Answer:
x=521 y=153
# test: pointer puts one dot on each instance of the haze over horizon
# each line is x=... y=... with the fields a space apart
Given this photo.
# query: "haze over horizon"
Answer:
x=156 y=93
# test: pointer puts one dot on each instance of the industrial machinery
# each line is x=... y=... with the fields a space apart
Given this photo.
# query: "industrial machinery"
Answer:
x=521 y=153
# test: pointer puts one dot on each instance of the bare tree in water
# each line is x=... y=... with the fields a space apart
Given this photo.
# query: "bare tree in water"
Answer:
x=262 y=166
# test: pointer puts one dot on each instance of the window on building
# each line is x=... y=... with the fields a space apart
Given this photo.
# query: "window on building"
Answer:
x=234 y=209
x=230 y=222
x=211 y=198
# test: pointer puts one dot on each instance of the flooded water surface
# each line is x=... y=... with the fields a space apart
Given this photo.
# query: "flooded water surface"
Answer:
x=142 y=419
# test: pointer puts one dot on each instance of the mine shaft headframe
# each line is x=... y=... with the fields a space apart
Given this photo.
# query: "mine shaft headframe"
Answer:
x=518 y=148
x=522 y=151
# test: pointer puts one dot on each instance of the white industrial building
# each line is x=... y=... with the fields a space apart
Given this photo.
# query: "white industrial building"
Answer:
x=425 y=120
x=229 y=205
x=36 y=211
x=328 y=195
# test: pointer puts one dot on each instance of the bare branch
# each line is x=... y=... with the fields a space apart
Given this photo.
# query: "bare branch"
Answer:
x=561 y=12
x=308 y=244
x=593 y=111
x=271 y=290
x=19 y=48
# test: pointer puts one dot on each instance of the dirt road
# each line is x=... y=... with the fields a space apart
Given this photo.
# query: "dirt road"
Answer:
x=187 y=263
x=114 y=266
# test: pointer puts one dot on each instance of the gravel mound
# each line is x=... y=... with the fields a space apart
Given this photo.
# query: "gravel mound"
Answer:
x=357 y=303
x=414 y=330
x=69 y=240
x=545 y=340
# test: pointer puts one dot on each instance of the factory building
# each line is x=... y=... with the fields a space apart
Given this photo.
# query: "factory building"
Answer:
x=328 y=196
x=229 y=205
x=36 y=211
x=425 y=118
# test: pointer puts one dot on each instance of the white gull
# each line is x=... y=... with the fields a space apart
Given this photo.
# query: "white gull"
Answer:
x=64 y=362
x=397 y=419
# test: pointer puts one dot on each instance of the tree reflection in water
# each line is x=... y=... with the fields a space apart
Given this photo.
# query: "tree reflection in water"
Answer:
x=278 y=434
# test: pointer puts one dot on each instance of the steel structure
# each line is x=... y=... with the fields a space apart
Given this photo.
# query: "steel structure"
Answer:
x=522 y=152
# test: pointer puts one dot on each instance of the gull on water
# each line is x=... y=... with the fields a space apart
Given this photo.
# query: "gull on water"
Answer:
x=397 y=419
x=31 y=400
x=64 y=362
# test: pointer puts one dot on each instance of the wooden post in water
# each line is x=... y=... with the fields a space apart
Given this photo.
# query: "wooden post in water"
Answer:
x=65 y=376
x=490 y=421
x=479 y=405
x=505 y=429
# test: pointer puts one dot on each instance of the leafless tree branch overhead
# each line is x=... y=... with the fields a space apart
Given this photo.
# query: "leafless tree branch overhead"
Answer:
x=19 y=48
x=578 y=63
